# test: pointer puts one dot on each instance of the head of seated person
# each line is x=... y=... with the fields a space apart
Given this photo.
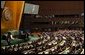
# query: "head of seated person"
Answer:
x=39 y=43
x=46 y=52
x=4 y=37
x=40 y=53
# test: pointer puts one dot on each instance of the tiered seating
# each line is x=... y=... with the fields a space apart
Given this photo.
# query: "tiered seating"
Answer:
x=59 y=42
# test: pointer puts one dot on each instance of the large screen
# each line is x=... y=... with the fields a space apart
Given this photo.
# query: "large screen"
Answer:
x=31 y=8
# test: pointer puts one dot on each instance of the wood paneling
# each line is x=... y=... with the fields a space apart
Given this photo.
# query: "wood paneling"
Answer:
x=56 y=8
x=16 y=7
x=53 y=7
x=59 y=7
